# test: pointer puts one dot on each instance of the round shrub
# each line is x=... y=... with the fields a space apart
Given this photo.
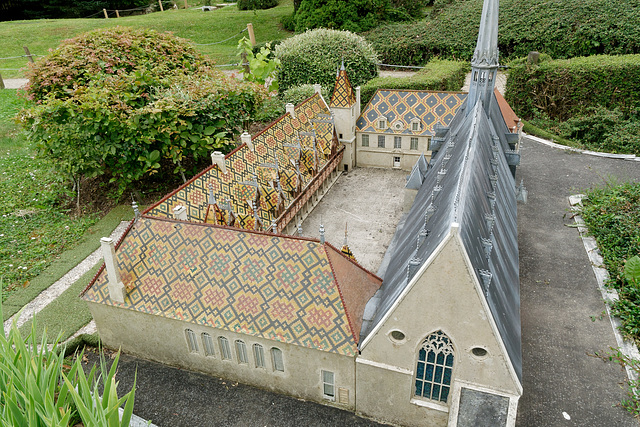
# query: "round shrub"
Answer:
x=297 y=94
x=113 y=51
x=256 y=4
x=312 y=57
x=352 y=15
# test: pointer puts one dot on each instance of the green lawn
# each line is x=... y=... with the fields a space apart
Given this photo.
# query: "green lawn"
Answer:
x=200 y=27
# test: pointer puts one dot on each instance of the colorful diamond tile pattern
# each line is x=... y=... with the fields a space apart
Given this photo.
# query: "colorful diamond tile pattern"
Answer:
x=430 y=107
x=343 y=96
x=243 y=165
x=277 y=287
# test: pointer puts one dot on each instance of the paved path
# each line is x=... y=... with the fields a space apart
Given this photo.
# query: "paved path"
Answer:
x=559 y=294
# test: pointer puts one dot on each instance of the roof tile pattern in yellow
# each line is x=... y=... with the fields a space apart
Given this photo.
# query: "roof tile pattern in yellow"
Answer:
x=343 y=96
x=277 y=287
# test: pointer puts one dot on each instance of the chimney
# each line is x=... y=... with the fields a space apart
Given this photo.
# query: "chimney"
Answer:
x=115 y=286
x=357 y=102
x=246 y=139
x=317 y=88
x=180 y=212
x=217 y=158
x=290 y=108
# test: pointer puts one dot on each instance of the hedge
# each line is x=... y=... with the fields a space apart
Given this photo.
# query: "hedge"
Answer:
x=561 y=28
x=437 y=75
x=564 y=88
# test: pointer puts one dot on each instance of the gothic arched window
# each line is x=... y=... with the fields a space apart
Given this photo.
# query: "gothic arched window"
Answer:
x=435 y=365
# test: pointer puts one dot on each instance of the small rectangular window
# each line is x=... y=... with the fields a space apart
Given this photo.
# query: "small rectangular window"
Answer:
x=241 y=352
x=380 y=141
x=278 y=362
x=328 y=385
x=365 y=140
x=207 y=343
x=415 y=126
x=382 y=124
x=397 y=142
x=192 y=343
x=225 y=349
x=414 y=143
x=258 y=355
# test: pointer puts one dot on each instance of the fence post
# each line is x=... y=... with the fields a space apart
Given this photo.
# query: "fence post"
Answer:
x=161 y=8
x=1 y=82
x=26 y=51
x=186 y=6
x=117 y=14
x=252 y=36
x=106 y=15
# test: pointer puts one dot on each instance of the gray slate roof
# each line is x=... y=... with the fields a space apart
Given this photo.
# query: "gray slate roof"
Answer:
x=473 y=156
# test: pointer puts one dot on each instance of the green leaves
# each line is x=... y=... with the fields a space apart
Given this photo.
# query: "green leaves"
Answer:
x=263 y=66
x=632 y=270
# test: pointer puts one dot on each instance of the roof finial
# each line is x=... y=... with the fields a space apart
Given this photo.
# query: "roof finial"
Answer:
x=342 y=66
x=299 y=229
x=337 y=71
x=321 y=232
x=212 y=199
x=136 y=211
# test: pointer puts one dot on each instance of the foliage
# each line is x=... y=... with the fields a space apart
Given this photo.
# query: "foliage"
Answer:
x=36 y=391
x=352 y=15
x=437 y=75
x=561 y=28
x=136 y=114
x=263 y=66
x=256 y=4
x=631 y=404
x=34 y=226
x=56 y=9
x=632 y=270
x=297 y=94
x=313 y=57
x=612 y=215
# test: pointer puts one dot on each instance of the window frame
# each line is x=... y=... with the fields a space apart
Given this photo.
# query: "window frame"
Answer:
x=241 y=352
x=207 y=345
x=225 y=348
x=429 y=368
x=364 y=141
x=192 y=341
x=412 y=146
x=277 y=359
x=397 y=142
x=382 y=141
x=331 y=382
x=258 y=356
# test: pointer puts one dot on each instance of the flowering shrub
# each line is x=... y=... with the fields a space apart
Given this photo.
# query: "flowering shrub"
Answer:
x=312 y=57
x=125 y=102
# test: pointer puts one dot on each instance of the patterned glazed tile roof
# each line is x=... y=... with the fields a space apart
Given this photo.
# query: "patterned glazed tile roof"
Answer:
x=249 y=172
x=278 y=287
x=403 y=106
x=343 y=96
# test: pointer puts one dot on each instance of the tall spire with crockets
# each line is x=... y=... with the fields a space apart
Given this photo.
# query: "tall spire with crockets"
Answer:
x=484 y=64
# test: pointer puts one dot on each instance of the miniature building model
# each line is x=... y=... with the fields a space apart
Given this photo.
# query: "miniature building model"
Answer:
x=213 y=279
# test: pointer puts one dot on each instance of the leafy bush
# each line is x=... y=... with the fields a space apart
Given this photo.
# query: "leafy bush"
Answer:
x=297 y=94
x=562 y=28
x=56 y=9
x=437 y=75
x=352 y=15
x=564 y=88
x=612 y=215
x=312 y=57
x=156 y=104
x=256 y=4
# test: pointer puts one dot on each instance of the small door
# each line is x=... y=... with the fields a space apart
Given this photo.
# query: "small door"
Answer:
x=396 y=161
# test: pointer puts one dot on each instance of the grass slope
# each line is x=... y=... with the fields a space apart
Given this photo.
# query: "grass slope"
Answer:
x=200 y=27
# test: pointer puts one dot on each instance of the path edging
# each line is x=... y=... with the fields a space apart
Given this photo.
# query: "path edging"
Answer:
x=629 y=157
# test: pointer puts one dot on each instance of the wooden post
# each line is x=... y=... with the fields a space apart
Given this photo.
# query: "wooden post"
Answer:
x=186 y=6
x=106 y=15
x=252 y=36
x=161 y=8
x=26 y=51
x=117 y=14
x=1 y=82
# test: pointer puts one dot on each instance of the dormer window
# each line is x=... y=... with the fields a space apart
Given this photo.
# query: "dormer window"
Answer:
x=416 y=126
x=382 y=123
x=398 y=125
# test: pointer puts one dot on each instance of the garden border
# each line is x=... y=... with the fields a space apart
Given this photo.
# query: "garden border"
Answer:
x=629 y=157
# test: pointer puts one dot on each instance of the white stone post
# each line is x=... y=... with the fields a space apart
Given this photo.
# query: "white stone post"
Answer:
x=290 y=108
x=180 y=213
x=246 y=139
x=115 y=285
x=217 y=158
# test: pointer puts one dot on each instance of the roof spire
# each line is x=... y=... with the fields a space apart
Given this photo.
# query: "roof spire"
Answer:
x=321 y=232
x=342 y=66
x=484 y=63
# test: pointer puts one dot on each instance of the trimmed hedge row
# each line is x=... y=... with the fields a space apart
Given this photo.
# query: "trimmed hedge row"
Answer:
x=437 y=75
x=564 y=88
x=561 y=28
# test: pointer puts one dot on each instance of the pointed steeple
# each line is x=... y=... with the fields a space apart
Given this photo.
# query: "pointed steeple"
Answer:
x=484 y=64
x=343 y=95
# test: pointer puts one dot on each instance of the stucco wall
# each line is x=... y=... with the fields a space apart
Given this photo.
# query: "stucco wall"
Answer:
x=372 y=156
x=164 y=340
x=444 y=298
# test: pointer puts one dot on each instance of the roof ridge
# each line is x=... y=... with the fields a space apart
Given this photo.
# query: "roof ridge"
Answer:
x=354 y=262
x=344 y=305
